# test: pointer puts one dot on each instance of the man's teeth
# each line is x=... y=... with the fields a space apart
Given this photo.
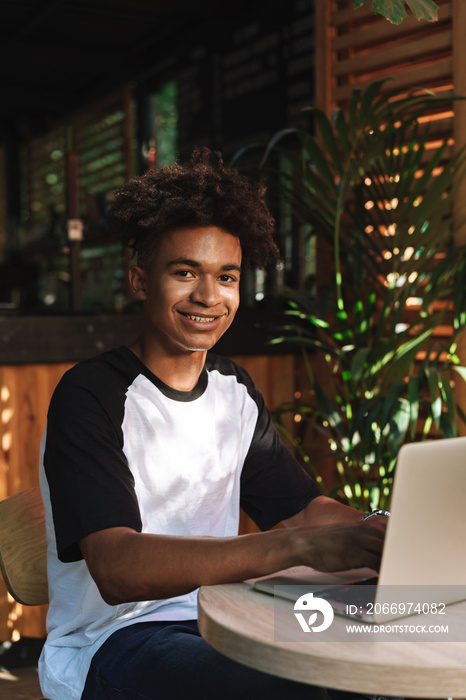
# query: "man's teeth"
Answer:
x=200 y=319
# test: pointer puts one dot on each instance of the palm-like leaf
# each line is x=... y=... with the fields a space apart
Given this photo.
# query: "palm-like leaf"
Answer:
x=369 y=185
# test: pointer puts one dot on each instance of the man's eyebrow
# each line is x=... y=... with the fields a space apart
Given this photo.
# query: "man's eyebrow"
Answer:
x=184 y=261
x=195 y=263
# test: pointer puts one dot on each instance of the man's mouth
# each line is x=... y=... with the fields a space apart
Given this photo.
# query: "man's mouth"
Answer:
x=201 y=319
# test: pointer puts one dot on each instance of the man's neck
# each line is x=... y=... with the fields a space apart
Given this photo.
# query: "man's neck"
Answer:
x=179 y=371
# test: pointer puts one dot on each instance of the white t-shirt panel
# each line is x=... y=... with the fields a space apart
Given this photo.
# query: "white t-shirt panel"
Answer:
x=202 y=450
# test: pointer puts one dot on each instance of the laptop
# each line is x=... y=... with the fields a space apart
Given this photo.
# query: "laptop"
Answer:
x=423 y=557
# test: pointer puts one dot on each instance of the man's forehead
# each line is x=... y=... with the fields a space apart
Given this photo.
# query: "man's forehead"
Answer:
x=194 y=244
x=197 y=232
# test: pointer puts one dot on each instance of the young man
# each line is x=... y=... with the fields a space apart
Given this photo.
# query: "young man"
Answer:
x=151 y=449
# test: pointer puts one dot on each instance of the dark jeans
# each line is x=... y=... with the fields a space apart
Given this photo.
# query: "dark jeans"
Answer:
x=171 y=661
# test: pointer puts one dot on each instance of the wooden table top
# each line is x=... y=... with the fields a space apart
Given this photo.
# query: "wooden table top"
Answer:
x=239 y=622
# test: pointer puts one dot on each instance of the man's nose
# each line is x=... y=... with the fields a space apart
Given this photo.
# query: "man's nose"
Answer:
x=206 y=292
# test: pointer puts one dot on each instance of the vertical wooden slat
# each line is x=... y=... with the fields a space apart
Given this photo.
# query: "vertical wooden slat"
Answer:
x=25 y=392
x=274 y=375
x=322 y=62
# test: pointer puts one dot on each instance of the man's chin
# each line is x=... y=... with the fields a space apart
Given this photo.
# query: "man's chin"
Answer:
x=201 y=347
x=205 y=342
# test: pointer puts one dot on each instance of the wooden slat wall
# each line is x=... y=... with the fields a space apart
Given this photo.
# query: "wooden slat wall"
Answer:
x=358 y=47
x=25 y=392
x=102 y=136
x=362 y=47
x=365 y=47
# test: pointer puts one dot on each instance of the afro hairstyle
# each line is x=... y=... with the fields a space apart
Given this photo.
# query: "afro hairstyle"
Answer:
x=200 y=193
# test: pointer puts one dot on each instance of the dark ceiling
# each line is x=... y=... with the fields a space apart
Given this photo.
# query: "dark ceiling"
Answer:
x=56 y=55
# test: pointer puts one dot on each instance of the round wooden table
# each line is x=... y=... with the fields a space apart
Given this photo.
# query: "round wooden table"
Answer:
x=239 y=622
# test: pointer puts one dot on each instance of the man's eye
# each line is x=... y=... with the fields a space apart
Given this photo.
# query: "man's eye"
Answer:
x=227 y=278
x=183 y=273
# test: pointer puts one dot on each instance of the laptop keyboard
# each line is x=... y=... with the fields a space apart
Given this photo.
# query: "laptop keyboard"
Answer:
x=359 y=593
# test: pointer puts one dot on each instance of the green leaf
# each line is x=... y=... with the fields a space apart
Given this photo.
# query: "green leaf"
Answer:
x=390 y=401
x=367 y=102
x=435 y=397
x=319 y=322
x=399 y=425
x=358 y=364
x=424 y=9
x=448 y=397
x=447 y=429
x=332 y=414
x=319 y=161
x=342 y=130
x=413 y=400
x=413 y=346
x=328 y=136
x=393 y=10
x=461 y=371
x=274 y=140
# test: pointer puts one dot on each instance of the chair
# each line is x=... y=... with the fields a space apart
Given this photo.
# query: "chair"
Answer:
x=23 y=547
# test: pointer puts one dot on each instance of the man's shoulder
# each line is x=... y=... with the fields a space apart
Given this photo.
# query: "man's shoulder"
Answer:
x=107 y=373
x=111 y=361
x=228 y=368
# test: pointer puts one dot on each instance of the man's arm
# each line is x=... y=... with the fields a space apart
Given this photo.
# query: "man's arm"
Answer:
x=127 y=565
x=324 y=511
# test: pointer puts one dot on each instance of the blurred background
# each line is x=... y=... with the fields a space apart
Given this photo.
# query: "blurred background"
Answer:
x=93 y=92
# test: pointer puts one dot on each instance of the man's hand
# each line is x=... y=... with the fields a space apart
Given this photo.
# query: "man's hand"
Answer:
x=332 y=536
x=341 y=547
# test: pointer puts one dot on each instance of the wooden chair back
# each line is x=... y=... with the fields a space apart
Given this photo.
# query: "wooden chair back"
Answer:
x=23 y=547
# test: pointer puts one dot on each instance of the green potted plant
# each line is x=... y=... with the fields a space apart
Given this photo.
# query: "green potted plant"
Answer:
x=372 y=186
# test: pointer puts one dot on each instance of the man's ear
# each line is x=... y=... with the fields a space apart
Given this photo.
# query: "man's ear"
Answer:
x=137 y=281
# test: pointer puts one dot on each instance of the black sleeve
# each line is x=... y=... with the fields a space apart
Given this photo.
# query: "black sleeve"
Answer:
x=274 y=486
x=91 y=485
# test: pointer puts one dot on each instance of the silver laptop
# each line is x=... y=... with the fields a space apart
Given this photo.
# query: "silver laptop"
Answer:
x=424 y=551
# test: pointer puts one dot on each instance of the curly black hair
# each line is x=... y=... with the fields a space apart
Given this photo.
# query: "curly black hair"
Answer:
x=202 y=192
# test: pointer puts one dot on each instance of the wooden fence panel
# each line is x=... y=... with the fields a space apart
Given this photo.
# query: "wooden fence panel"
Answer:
x=25 y=392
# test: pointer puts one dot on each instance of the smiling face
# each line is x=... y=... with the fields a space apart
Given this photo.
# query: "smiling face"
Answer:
x=190 y=290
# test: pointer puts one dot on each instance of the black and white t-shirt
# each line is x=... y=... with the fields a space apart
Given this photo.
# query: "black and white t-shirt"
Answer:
x=122 y=448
